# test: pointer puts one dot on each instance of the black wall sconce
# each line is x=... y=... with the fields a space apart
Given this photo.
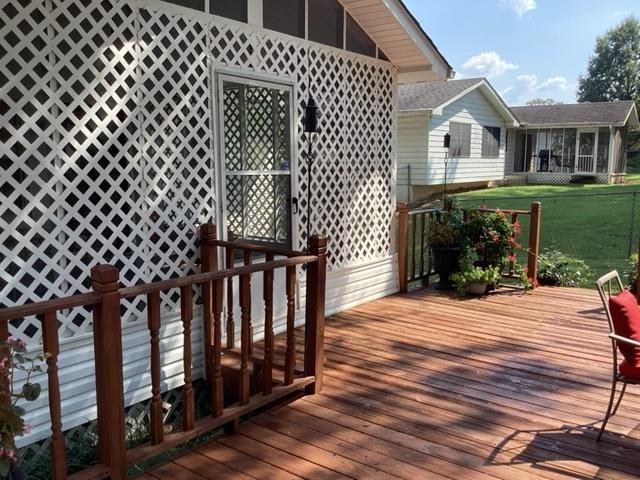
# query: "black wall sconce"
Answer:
x=310 y=127
x=446 y=144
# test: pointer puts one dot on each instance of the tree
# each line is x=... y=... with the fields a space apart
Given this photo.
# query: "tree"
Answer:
x=613 y=72
x=543 y=101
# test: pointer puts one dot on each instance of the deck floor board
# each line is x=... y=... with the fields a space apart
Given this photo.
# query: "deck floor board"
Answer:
x=428 y=386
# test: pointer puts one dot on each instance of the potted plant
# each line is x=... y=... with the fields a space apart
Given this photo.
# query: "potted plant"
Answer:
x=492 y=236
x=475 y=280
x=444 y=240
x=13 y=358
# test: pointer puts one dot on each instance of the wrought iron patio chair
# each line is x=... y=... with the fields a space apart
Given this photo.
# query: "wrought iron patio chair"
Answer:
x=608 y=285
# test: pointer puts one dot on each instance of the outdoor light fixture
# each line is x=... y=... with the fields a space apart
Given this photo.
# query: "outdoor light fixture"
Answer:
x=446 y=144
x=310 y=127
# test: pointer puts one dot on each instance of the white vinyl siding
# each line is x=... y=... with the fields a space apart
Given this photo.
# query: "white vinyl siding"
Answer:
x=412 y=147
x=476 y=110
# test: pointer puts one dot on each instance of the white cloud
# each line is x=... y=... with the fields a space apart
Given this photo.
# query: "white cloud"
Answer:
x=554 y=82
x=529 y=80
x=486 y=64
x=519 y=7
x=620 y=14
x=506 y=91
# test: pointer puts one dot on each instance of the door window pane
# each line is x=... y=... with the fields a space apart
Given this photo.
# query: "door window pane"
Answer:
x=326 y=22
x=257 y=160
x=555 y=156
x=286 y=16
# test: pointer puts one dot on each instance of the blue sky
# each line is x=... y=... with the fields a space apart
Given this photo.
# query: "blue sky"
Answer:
x=527 y=48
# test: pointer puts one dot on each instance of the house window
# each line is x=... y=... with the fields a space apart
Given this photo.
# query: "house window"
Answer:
x=357 y=39
x=256 y=158
x=195 y=4
x=490 y=142
x=233 y=9
x=326 y=22
x=286 y=16
x=460 y=139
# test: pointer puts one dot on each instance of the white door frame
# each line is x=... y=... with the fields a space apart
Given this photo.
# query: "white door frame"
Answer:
x=220 y=75
x=580 y=131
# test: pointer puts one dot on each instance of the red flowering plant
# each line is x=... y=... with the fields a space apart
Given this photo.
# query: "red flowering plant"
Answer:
x=13 y=358
x=490 y=237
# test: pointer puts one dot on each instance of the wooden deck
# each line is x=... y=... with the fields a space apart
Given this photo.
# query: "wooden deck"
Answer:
x=428 y=386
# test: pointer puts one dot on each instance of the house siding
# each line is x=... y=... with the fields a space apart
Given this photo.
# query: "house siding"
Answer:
x=148 y=172
x=476 y=110
x=413 y=145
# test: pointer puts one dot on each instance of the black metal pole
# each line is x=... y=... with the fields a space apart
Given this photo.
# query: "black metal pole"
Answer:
x=309 y=176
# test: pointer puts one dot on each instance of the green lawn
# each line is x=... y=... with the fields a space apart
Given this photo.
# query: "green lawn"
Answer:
x=596 y=223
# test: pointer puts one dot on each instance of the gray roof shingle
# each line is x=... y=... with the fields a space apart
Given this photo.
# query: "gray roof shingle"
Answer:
x=605 y=113
x=429 y=95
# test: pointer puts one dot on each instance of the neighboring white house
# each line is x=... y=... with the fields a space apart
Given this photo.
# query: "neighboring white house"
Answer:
x=570 y=142
x=475 y=116
x=127 y=123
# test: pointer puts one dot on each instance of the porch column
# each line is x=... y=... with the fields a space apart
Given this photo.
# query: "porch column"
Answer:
x=612 y=132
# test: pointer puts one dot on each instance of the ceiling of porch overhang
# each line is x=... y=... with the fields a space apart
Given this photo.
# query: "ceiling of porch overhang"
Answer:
x=399 y=35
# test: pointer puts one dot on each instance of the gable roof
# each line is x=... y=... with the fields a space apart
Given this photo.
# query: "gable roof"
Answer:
x=434 y=96
x=399 y=35
x=596 y=113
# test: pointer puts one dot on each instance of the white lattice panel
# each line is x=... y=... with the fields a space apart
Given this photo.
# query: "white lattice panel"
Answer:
x=107 y=151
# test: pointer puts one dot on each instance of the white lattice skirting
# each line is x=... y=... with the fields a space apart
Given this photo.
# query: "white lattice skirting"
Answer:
x=107 y=156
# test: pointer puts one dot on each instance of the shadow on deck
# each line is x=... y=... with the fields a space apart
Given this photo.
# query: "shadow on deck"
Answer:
x=425 y=385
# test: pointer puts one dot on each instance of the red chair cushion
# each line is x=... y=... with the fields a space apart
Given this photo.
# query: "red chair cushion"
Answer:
x=625 y=315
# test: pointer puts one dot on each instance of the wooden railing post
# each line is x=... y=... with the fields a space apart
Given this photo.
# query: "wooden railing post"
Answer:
x=208 y=263
x=403 y=245
x=107 y=338
x=314 y=323
x=534 y=243
x=638 y=277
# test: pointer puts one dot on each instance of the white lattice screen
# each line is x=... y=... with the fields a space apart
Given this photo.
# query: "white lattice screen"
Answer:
x=107 y=144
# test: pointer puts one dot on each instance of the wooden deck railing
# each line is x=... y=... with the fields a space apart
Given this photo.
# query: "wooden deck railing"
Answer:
x=414 y=253
x=105 y=300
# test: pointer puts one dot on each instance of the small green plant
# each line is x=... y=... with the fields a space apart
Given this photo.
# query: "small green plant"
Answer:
x=631 y=273
x=446 y=226
x=557 y=268
x=13 y=358
x=464 y=278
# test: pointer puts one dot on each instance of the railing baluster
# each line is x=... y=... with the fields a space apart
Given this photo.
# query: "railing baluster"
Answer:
x=217 y=394
x=422 y=255
x=186 y=315
x=52 y=349
x=245 y=338
x=428 y=216
x=230 y=328
x=290 y=356
x=414 y=242
x=534 y=243
x=267 y=367
x=247 y=261
x=514 y=219
x=153 y=324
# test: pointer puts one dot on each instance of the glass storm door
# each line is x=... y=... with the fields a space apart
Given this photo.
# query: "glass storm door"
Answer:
x=256 y=160
x=585 y=158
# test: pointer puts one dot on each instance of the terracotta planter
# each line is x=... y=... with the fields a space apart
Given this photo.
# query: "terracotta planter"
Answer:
x=445 y=262
x=477 y=288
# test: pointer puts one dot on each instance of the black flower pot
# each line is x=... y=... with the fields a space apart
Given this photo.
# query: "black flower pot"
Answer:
x=445 y=262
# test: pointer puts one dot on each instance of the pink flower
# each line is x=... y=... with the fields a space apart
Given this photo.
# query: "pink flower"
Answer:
x=511 y=257
x=9 y=453
x=21 y=344
x=11 y=338
x=26 y=428
x=1 y=452
x=3 y=363
x=496 y=237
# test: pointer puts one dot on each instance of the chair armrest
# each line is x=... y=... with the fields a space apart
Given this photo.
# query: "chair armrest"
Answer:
x=626 y=340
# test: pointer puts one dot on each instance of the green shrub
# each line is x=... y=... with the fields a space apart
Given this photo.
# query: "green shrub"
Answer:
x=631 y=272
x=557 y=268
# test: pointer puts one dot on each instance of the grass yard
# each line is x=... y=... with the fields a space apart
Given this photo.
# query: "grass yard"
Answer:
x=596 y=223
